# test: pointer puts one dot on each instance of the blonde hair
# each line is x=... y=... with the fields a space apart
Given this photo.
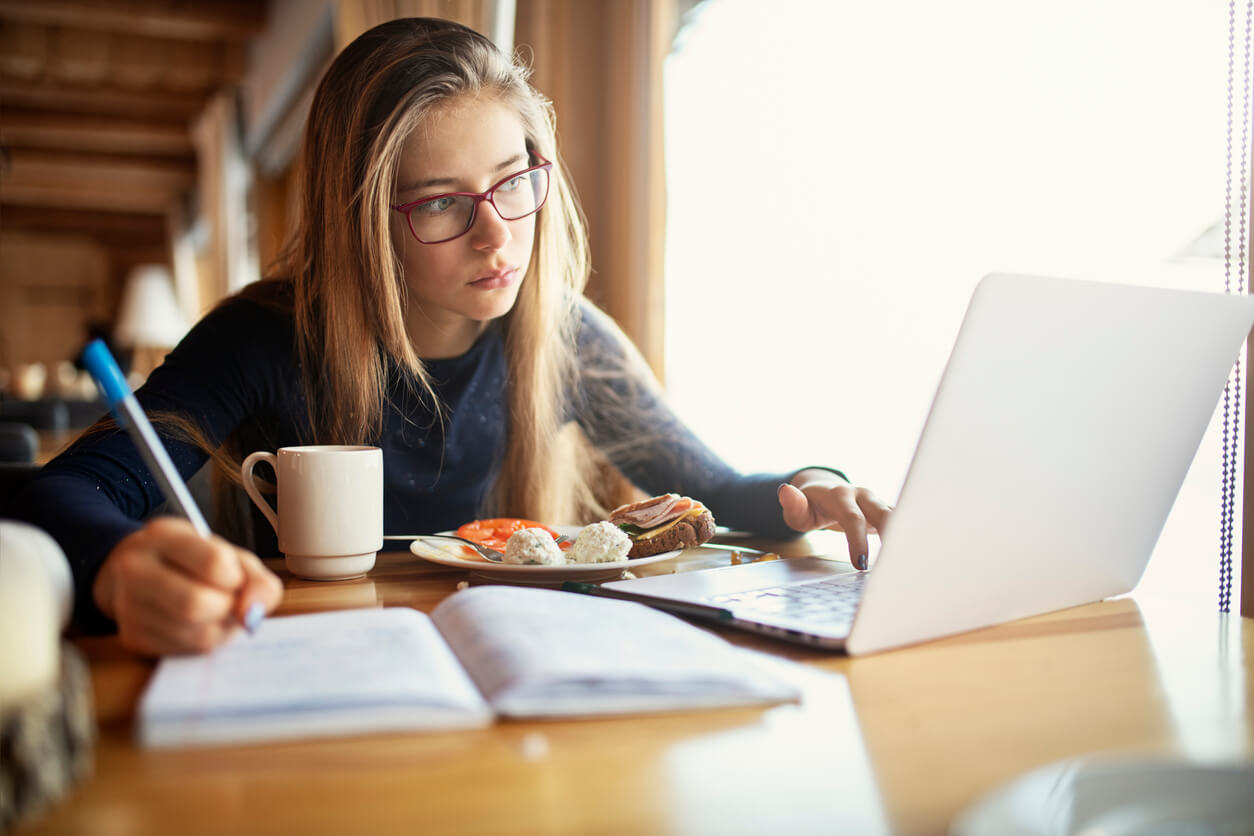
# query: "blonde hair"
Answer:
x=349 y=302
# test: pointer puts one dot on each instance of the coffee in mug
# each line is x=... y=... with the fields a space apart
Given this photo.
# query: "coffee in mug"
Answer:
x=329 y=516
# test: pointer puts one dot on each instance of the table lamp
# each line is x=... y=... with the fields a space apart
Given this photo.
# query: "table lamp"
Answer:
x=149 y=321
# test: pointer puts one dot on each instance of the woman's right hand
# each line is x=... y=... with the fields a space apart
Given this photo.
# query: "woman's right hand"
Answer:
x=172 y=591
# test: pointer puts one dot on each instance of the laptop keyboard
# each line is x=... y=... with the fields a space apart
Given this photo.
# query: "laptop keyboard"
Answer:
x=821 y=602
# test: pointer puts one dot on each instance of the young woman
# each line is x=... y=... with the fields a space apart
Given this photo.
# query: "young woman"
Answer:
x=430 y=303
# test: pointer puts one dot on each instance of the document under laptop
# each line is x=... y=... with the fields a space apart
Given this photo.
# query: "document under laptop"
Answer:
x=1060 y=433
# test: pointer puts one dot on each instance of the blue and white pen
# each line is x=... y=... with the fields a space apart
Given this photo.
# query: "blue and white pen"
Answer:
x=104 y=369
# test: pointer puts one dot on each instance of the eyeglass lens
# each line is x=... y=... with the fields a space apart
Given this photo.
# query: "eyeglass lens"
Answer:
x=447 y=217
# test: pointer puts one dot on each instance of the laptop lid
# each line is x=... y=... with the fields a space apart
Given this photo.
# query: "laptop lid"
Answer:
x=1060 y=433
x=1059 y=436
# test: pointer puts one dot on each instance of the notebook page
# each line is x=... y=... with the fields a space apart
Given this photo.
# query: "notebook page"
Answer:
x=312 y=675
x=539 y=652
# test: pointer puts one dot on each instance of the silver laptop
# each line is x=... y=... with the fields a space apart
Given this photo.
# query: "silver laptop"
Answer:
x=1061 y=431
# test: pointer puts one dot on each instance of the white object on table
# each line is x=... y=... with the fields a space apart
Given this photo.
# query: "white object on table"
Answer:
x=36 y=596
x=1116 y=797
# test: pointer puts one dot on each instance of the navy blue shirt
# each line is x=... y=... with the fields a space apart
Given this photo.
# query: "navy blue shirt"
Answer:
x=237 y=371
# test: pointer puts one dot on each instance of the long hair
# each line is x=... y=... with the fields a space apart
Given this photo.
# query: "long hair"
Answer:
x=349 y=290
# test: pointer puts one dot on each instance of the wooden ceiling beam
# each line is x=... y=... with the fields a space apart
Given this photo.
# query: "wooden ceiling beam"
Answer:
x=21 y=127
x=97 y=98
x=95 y=182
x=55 y=193
x=24 y=49
x=100 y=166
x=52 y=95
x=91 y=58
x=113 y=229
x=236 y=20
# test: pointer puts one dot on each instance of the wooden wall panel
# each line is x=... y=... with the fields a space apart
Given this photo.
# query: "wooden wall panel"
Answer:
x=43 y=319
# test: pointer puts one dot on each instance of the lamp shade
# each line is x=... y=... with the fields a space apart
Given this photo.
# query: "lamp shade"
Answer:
x=149 y=316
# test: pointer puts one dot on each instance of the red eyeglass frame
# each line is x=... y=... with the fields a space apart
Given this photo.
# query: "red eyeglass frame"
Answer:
x=478 y=197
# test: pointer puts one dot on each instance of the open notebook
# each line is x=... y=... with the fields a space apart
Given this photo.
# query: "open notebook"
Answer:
x=484 y=651
x=1059 y=436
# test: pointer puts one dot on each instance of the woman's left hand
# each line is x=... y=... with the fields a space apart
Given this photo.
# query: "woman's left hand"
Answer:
x=821 y=499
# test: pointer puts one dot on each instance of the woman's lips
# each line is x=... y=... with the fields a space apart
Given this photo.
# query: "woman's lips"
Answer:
x=494 y=281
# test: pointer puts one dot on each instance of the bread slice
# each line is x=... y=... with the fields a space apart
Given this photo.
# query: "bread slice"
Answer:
x=689 y=532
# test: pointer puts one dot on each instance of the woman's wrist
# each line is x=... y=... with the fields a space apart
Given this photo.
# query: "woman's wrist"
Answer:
x=102 y=588
x=817 y=476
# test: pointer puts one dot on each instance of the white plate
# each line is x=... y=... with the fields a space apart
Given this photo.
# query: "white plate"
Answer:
x=1116 y=798
x=448 y=553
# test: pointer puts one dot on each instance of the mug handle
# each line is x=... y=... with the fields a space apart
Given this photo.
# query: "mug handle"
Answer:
x=250 y=487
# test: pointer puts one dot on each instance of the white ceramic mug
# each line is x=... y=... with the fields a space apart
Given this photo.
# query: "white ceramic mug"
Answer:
x=330 y=508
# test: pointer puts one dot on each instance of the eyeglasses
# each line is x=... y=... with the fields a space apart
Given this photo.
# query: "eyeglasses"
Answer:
x=434 y=220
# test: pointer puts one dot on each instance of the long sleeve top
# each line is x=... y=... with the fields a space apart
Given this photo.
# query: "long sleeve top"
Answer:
x=237 y=371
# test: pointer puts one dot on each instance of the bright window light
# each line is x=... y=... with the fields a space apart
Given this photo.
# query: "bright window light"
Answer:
x=841 y=174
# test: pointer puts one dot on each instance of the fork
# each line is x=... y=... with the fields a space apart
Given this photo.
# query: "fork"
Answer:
x=480 y=549
x=485 y=552
x=493 y=554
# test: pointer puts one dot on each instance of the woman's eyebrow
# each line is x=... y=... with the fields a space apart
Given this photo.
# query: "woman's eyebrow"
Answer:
x=450 y=184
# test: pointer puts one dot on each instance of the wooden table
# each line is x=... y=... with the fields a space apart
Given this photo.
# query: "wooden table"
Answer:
x=897 y=742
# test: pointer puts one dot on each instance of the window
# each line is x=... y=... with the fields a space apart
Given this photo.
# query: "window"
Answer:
x=841 y=174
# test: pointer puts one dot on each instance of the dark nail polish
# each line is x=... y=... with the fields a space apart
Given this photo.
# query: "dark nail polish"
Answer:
x=860 y=563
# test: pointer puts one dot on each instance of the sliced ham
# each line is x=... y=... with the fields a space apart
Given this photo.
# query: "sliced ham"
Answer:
x=652 y=512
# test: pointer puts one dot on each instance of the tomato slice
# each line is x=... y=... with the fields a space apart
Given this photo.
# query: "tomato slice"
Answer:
x=495 y=532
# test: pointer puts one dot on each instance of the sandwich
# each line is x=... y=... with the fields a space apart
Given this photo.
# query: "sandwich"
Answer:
x=663 y=523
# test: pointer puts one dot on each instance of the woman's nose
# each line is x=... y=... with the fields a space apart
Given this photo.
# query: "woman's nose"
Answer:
x=489 y=231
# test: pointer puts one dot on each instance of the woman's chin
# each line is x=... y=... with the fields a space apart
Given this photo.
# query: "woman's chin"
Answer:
x=492 y=304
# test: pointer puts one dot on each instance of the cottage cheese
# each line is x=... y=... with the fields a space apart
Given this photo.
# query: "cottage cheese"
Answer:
x=533 y=546
x=601 y=542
